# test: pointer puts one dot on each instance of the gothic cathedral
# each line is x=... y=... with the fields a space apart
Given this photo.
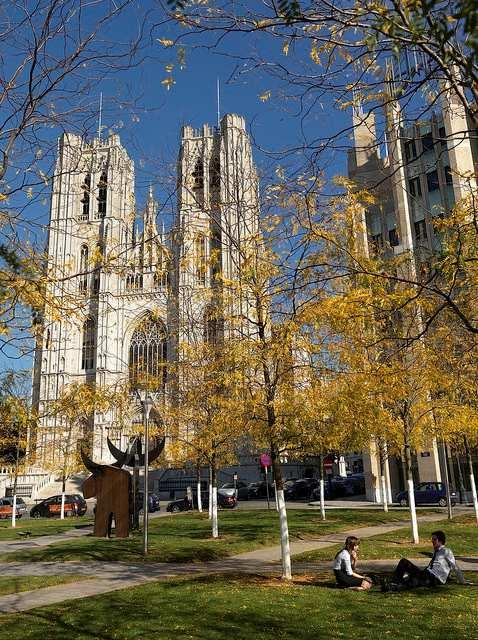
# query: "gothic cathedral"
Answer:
x=123 y=295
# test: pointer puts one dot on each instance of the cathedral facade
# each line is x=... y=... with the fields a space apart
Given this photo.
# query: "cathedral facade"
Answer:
x=123 y=295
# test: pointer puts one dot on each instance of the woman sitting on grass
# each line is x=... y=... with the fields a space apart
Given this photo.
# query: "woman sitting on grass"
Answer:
x=344 y=567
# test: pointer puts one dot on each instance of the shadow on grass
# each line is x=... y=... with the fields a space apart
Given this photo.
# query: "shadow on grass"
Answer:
x=251 y=606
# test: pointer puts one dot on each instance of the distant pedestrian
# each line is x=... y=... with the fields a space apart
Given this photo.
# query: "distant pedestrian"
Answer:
x=408 y=576
x=344 y=567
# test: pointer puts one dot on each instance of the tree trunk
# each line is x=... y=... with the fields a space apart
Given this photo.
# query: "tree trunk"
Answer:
x=15 y=483
x=62 y=511
x=460 y=478
x=199 y=489
x=411 y=494
x=447 y=481
x=321 y=487
x=215 y=530
x=472 y=479
x=383 y=482
x=210 y=494
x=284 y=527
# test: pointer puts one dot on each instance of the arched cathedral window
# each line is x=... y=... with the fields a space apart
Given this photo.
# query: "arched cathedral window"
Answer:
x=88 y=346
x=200 y=258
x=134 y=281
x=148 y=355
x=161 y=273
x=102 y=191
x=85 y=201
x=83 y=283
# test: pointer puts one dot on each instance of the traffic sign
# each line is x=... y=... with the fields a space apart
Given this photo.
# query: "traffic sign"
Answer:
x=266 y=460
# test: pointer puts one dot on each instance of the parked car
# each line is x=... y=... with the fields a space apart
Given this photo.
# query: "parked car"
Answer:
x=332 y=490
x=80 y=502
x=229 y=489
x=183 y=504
x=358 y=483
x=259 y=490
x=300 y=489
x=153 y=501
x=6 y=509
x=351 y=485
x=427 y=493
x=75 y=505
x=21 y=505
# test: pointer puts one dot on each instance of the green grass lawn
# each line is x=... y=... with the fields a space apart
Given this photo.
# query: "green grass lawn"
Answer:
x=13 y=584
x=461 y=532
x=253 y=608
x=41 y=527
x=186 y=537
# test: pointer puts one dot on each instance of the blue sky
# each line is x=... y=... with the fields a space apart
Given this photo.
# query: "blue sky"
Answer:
x=148 y=117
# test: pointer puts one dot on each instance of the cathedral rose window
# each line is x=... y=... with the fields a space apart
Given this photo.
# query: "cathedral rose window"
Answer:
x=148 y=354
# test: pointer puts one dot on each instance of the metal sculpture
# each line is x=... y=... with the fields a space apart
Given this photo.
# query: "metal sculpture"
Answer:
x=135 y=458
x=112 y=487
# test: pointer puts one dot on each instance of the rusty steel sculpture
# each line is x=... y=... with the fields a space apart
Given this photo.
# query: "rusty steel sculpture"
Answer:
x=134 y=458
x=112 y=487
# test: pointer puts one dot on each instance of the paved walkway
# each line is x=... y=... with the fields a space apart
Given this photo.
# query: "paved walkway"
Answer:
x=118 y=575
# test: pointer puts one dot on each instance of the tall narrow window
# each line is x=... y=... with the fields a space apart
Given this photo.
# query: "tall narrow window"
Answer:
x=88 y=347
x=97 y=270
x=83 y=283
x=215 y=173
x=85 y=201
x=200 y=257
x=198 y=175
x=148 y=355
x=102 y=191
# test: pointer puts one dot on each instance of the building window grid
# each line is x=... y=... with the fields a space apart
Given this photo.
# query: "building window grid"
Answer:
x=415 y=187
x=393 y=238
x=420 y=227
x=376 y=243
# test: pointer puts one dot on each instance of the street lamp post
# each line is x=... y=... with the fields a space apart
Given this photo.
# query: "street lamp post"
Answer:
x=147 y=401
x=235 y=485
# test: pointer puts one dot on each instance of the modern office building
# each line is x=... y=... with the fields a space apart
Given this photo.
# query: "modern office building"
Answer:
x=423 y=169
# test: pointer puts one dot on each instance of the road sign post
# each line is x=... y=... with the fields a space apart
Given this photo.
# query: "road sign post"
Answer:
x=266 y=462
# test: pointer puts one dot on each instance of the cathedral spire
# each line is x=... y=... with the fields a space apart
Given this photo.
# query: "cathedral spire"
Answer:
x=150 y=233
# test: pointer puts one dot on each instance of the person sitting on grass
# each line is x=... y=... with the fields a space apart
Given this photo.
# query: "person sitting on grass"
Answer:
x=344 y=567
x=408 y=576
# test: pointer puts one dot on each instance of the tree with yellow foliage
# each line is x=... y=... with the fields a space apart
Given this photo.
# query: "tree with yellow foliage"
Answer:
x=203 y=422
x=16 y=419
x=73 y=412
